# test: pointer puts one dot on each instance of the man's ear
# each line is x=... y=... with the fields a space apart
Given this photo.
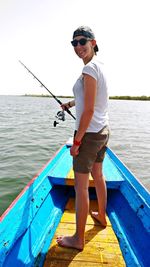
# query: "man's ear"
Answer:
x=93 y=43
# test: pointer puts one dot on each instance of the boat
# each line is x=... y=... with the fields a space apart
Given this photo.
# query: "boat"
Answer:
x=45 y=208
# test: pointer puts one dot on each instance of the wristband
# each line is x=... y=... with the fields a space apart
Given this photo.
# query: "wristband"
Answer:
x=76 y=143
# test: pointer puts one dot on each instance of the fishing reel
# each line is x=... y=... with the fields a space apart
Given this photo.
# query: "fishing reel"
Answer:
x=59 y=116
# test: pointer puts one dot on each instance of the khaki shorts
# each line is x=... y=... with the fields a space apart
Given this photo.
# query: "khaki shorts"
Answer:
x=92 y=149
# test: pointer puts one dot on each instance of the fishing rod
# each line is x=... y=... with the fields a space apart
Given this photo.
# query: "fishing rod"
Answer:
x=60 y=114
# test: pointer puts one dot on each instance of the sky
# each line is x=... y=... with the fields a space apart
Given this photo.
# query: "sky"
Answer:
x=38 y=32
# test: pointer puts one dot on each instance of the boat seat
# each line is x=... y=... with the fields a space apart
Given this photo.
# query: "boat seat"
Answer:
x=62 y=173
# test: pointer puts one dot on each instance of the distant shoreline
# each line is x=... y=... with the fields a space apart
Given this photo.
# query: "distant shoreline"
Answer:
x=142 y=98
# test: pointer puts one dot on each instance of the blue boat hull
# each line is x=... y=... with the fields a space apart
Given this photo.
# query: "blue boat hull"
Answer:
x=28 y=226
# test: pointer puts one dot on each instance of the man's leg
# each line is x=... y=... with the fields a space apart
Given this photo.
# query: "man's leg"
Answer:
x=82 y=209
x=101 y=192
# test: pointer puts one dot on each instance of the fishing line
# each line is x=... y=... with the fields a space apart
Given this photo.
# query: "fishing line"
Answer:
x=60 y=114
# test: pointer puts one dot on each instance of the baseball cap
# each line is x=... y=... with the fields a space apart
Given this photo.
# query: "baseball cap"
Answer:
x=86 y=32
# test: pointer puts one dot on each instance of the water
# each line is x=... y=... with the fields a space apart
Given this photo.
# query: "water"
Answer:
x=28 y=139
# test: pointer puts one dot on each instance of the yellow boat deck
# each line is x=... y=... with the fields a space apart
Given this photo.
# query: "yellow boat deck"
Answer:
x=101 y=245
x=70 y=179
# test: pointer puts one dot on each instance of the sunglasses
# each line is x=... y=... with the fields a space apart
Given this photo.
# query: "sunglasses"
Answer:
x=82 y=41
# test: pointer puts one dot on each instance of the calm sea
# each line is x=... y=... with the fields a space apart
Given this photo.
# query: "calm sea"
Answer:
x=28 y=139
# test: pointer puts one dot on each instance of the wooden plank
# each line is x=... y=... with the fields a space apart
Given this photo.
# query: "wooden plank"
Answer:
x=101 y=245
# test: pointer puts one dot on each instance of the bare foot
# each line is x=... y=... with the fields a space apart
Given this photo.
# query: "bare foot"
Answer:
x=70 y=242
x=100 y=219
